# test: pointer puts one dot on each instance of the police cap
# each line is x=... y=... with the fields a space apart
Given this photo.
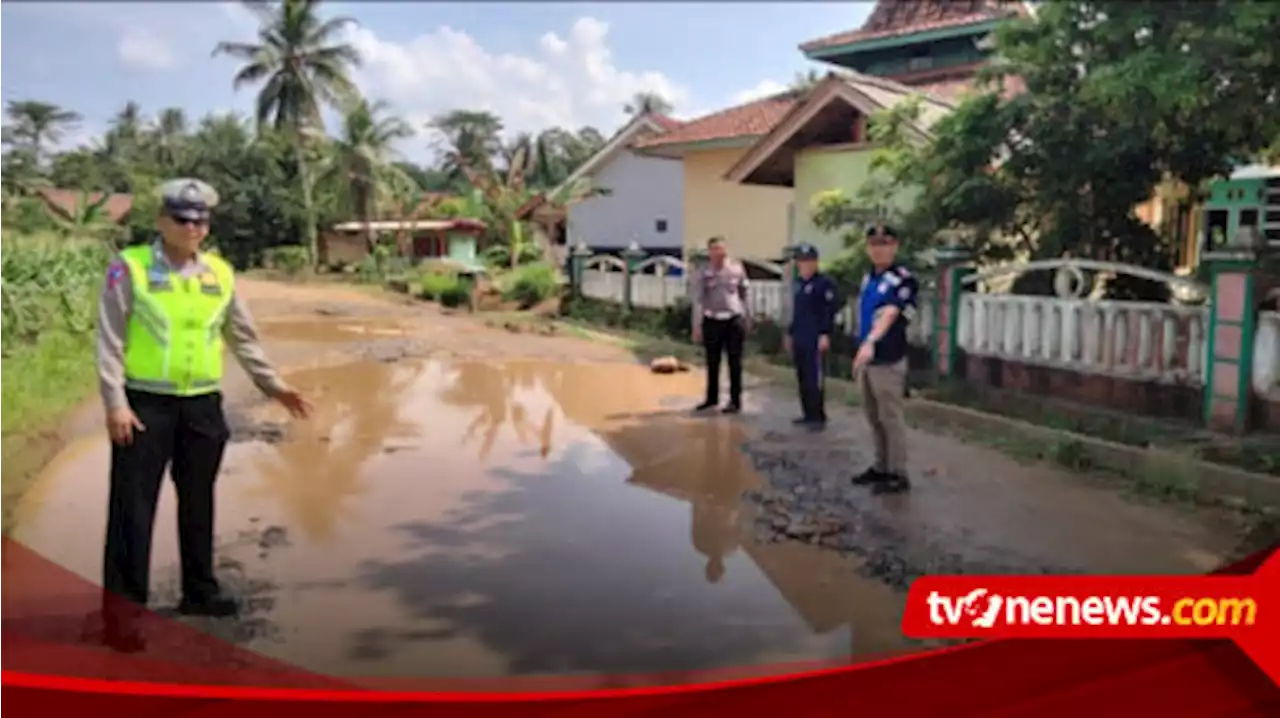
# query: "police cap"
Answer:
x=189 y=199
x=881 y=232
x=806 y=251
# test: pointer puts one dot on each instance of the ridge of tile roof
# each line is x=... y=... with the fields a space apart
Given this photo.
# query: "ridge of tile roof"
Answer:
x=749 y=119
x=895 y=18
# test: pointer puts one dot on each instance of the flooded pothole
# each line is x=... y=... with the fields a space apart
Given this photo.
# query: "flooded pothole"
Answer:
x=335 y=329
x=497 y=518
x=473 y=518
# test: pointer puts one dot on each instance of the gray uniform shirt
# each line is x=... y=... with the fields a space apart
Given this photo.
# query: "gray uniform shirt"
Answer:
x=721 y=293
x=113 y=319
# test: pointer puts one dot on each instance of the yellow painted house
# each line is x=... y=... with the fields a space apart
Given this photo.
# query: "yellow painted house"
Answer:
x=754 y=220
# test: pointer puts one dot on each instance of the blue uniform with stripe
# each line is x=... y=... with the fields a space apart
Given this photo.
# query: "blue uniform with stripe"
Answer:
x=891 y=287
x=813 y=316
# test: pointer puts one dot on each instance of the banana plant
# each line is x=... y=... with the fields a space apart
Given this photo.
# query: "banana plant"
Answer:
x=506 y=196
x=88 y=217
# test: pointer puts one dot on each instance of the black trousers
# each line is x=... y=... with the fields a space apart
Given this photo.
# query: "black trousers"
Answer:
x=720 y=337
x=187 y=435
x=809 y=376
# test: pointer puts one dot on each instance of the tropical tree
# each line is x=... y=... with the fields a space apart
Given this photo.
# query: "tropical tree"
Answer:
x=169 y=135
x=470 y=138
x=87 y=218
x=301 y=67
x=360 y=163
x=36 y=125
x=505 y=194
x=123 y=140
x=645 y=102
x=804 y=81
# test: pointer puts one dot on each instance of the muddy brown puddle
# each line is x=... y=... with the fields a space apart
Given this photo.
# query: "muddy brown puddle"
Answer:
x=470 y=519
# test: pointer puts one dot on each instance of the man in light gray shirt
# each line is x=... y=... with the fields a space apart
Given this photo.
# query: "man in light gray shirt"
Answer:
x=165 y=312
x=721 y=320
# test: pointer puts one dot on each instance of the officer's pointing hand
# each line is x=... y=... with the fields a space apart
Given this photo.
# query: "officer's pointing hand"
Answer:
x=292 y=400
x=121 y=424
x=865 y=354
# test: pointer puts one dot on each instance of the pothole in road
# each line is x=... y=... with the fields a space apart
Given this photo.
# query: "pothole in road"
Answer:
x=336 y=330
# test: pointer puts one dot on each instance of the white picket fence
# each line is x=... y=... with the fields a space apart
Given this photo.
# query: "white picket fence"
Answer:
x=654 y=287
x=1151 y=341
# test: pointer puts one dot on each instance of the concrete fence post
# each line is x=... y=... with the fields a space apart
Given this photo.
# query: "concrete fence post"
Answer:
x=790 y=274
x=577 y=265
x=632 y=256
x=953 y=265
x=1236 y=293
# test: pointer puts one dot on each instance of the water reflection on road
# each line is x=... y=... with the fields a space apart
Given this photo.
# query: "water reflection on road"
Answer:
x=504 y=518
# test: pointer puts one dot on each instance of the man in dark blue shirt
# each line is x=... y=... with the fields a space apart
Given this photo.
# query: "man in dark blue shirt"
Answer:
x=809 y=335
x=886 y=306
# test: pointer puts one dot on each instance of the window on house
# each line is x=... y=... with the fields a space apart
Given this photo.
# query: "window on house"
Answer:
x=660 y=226
x=1216 y=228
x=919 y=58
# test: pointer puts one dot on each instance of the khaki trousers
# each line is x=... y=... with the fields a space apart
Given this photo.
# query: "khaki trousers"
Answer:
x=883 y=386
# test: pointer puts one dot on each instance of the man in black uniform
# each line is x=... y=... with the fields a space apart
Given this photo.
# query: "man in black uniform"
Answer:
x=809 y=335
x=165 y=313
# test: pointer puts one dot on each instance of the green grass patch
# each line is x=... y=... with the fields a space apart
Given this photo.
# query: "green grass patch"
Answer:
x=50 y=291
x=42 y=380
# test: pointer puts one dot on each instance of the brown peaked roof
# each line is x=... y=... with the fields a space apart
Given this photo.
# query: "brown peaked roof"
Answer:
x=894 y=18
x=747 y=120
x=866 y=93
x=67 y=201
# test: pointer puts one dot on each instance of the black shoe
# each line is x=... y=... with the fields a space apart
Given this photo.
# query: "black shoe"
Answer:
x=817 y=426
x=892 y=484
x=217 y=607
x=870 y=476
x=123 y=640
x=705 y=406
x=732 y=408
x=802 y=421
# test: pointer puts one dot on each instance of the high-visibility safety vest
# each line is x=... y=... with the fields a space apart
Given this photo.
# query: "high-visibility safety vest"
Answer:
x=173 y=344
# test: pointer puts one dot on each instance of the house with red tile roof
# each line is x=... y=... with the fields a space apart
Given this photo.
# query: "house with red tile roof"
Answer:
x=752 y=219
x=933 y=48
x=822 y=144
x=935 y=45
x=643 y=198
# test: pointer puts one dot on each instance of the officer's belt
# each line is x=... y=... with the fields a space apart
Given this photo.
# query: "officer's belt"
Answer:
x=719 y=315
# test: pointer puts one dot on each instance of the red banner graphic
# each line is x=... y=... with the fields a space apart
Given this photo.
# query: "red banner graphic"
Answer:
x=1192 y=672
x=1245 y=609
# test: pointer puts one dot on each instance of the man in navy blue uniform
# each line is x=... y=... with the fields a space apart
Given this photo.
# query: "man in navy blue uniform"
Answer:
x=809 y=335
x=886 y=306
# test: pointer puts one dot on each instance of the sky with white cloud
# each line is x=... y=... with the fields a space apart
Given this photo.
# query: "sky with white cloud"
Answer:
x=533 y=64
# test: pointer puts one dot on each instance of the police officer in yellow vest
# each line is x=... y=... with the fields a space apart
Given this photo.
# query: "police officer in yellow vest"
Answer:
x=165 y=312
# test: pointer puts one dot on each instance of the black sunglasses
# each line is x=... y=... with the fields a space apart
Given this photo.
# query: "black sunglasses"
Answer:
x=187 y=222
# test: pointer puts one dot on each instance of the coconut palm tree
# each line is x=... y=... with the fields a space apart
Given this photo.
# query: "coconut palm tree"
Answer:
x=36 y=125
x=169 y=135
x=469 y=138
x=361 y=167
x=301 y=67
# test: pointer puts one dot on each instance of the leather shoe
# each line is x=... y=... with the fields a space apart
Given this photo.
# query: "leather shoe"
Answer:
x=216 y=607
